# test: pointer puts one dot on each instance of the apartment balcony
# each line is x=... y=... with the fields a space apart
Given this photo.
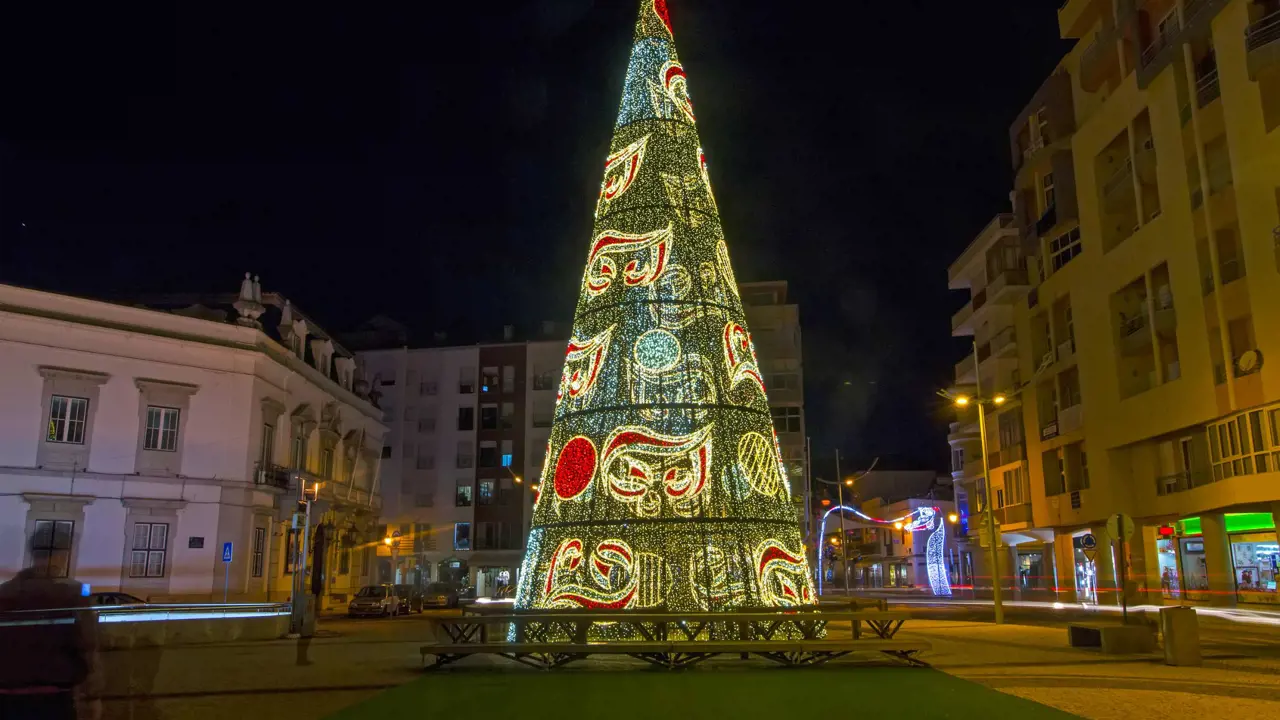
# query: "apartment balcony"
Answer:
x=1005 y=342
x=1066 y=350
x=1019 y=514
x=961 y=322
x=1133 y=339
x=1071 y=419
x=273 y=476
x=966 y=371
x=1182 y=481
x=1006 y=286
x=1012 y=454
x=1262 y=41
x=1118 y=189
x=870 y=549
x=1100 y=59
x=1207 y=88
x=1157 y=55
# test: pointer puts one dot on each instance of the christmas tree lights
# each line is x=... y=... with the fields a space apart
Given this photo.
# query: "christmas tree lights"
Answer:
x=663 y=485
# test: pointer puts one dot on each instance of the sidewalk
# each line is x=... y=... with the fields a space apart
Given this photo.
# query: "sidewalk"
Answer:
x=1035 y=663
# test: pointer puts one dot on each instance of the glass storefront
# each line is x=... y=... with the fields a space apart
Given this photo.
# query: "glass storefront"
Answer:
x=1195 y=575
x=1167 y=564
x=1084 y=561
x=1254 y=559
x=1031 y=570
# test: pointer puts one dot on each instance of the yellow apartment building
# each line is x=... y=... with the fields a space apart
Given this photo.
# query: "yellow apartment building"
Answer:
x=1147 y=203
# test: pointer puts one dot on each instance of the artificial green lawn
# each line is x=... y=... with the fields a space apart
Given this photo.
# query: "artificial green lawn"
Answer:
x=716 y=694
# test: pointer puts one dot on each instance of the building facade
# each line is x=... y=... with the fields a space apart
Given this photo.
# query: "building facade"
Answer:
x=1149 y=206
x=137 y=442
x=468 y=434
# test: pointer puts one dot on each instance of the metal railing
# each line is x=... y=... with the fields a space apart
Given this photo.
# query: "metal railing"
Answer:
x=275 y=476
x=1161 y=41
x=1207 y=88
x=146 y=612
x=1123 y=175
x=1182 y=481
x=1263 y=32
x=1133 y=325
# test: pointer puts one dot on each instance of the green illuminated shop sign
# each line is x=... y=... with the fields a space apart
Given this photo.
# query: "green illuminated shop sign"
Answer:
x=1236 y=522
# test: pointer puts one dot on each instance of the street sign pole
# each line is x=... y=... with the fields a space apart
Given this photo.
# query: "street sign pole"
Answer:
x=226 y=564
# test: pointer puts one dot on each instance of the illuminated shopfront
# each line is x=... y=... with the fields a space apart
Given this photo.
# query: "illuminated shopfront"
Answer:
x=1255 y=557
x=1086 y=569
x=1167 y=563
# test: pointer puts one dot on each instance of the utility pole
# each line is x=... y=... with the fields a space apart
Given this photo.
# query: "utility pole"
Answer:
x=844 y=536
x=992 y=538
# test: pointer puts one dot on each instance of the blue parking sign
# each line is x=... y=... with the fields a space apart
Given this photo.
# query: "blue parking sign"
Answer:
x=226 y=552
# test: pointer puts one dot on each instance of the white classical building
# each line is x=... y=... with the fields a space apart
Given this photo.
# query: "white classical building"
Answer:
x=135 y=442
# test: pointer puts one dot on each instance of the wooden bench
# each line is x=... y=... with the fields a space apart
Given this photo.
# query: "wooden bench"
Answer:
x=677 y=654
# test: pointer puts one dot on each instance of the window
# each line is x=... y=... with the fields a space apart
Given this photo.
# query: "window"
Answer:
x=1042 y=125
x=425 y=461
x=344 y=561
x=508 y=415
x=543 y=412
x=67 y=419
x=784 y=381
x=544 y=379
x=486 y=492
x=427 y=424
x=428 y=387
x=1047 y=192
x=298 y=454
x=508 y=378
x=786 y=419
x=957 y=460
x=462 y=536
x=466 y=381
x=51 y=548
x=466 y=418
x=1242 y=445
x=326 y=463
x=489 y=379
x=1013 y=493
x=508 y=453
x=488 y=454
x=161 y=431
x=149 y=543
x=1064 y=248
x=465 y=458
x=268 y=444
x=386 y=451
x=259 y=550
x=463 y=496
x=488 y=417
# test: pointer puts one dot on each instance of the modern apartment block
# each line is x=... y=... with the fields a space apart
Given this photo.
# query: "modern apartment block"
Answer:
x=775 y=330
x=464 y=424
x=136 y=441
x=1148 y=203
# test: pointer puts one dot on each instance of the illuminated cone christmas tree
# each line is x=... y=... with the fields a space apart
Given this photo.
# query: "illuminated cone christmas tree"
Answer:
x=663 y=486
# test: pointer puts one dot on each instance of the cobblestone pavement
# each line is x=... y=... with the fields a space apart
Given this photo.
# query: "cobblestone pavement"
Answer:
x=354 y=660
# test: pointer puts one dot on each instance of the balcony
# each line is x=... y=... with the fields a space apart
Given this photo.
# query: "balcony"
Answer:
x=1066 y=350
x=1005 y=342
x=1005 y=285
x=1014 y=514
x=1133 y=341
x=1156 y=55
x=1012 y=454
x=1182 y=481
x=1262 y=41
x=1047 y=221
x=1071 y=419
x=1119 y=187
x=1099 y=59
x=869 y=549
x=275 y=476
x=1207 y=88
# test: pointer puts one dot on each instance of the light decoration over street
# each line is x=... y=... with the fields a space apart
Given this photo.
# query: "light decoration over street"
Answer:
x=663 y=484
x=921 y=519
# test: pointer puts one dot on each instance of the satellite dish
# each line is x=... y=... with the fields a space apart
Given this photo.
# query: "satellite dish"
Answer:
x=1249 y=362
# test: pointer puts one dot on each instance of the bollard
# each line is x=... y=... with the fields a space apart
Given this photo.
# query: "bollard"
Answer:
x=1181 y=631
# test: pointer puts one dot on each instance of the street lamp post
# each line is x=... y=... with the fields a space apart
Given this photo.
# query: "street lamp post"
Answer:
x=844 y=537
x=990 y=520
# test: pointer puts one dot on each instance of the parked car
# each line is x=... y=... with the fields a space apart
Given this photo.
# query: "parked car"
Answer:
x=378 y=600
x=117 y=598
x=440 y=594
x=410 y=598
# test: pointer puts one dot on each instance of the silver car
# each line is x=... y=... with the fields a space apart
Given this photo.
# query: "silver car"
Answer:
x=374 y=600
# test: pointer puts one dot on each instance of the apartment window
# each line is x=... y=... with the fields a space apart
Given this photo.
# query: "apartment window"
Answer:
x=465 y=458
x=1047 y=192
x=1240 y=445
x=466 y=381
x=462 y=498
x=545 y=379
x=508 y=378
x=161 y=432
x=786 y=419
x=1042 y=126
x=466 y=418
x=784 y=381
x=326 y=463
x=486 y=492
x=507 y=453
x=268 y=444
x=150 y=541
x=957 y=460
x=51 y=548
x=68 y=417
x=386 y=451
x=489 y=379
x=462 y=536
x=428 y=387
x=298 y=453
x=259 y=551
x=1064 y=248
x=488 y=417
x=488 y=454
x=425 y=460
x=1014 y=492
x=344 y=561
x=427 y=424
x=508 y=418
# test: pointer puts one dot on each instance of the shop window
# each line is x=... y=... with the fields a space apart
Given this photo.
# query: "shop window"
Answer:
x=1167 y=564
x=1195 y=574
x=1254 y=558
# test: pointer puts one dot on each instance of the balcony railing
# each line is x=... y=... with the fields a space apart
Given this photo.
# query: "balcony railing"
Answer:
x=1133 y=325
x=1207 y=88
x=1163 y=40
x=275 y=476
x=1014 y=514
x=1182 y=481
x=1264 y=32
x=1119 y=179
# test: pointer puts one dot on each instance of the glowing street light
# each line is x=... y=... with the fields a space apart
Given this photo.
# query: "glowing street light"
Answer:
x=999 y=399
x=961 y=400
x=953 y=518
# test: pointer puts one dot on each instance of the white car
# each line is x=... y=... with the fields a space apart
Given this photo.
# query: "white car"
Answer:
x=374 y=600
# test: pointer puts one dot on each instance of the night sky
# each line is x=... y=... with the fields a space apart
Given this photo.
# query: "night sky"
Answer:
x=439 y=162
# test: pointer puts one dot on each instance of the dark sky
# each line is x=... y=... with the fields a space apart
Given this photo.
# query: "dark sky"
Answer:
x=438 y=162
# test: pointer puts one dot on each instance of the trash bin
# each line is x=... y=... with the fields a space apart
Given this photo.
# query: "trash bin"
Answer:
x=1181 y=632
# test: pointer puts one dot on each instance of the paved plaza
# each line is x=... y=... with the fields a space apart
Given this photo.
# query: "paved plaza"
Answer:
x=369 y=668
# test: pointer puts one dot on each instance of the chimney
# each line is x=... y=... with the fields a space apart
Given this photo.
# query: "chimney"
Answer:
x=508 y=333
